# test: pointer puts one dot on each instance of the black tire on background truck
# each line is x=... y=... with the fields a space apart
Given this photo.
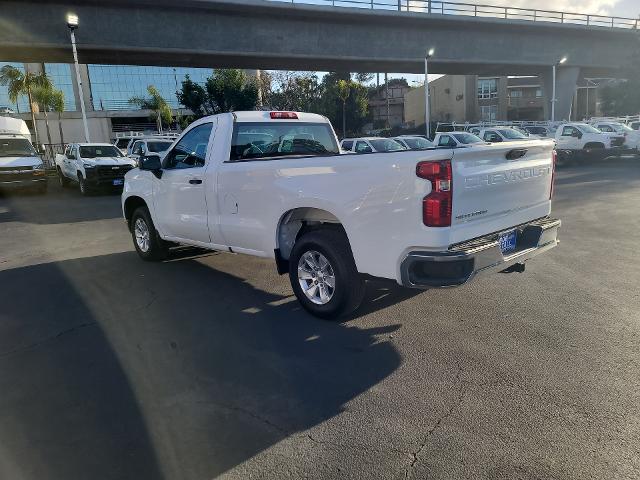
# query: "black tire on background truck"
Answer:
x=146 y=239
x=85 y=190
x=64 y=181
x=323 y=274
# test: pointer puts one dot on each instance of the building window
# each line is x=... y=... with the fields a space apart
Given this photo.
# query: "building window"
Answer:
x=539 y=93
x=112 y=86
x=489 y=113
x=60 y=75
x=487 y=88
x=515 y=93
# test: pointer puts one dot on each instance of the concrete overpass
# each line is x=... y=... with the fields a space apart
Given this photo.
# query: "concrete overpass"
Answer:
x=273 y=35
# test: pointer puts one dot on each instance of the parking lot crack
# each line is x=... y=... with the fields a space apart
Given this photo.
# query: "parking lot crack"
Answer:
x=356 y=446
x=415 y=455
x=251 y=414
x=47 y=340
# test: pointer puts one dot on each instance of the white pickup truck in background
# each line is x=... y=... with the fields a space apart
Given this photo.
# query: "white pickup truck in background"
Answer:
x=92 y=166
x=274 y=184
x=580 y=140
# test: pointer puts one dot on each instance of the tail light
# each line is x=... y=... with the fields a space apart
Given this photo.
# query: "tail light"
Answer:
x=553 y=172
x=436 y=207
x=283 y=115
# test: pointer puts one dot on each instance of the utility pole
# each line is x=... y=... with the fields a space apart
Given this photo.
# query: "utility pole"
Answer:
x=386 y=87
x=72 y=23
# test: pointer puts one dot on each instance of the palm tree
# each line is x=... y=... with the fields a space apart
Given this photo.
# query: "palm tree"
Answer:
x=44 y=98
x=24 y=83
x=344 y=90
x=159 y=106
x=57 y=105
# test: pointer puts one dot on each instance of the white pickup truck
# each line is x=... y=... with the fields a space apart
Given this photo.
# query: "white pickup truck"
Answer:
x=274 y=184
x=582 y=140
x=92 y=165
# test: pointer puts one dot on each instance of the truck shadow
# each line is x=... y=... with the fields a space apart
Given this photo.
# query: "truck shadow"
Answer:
x=54 y=206
x=115 y=368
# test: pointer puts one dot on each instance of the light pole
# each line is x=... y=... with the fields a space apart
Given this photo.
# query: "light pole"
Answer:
x=72 y=23
x=427 y=119
x=553 y=95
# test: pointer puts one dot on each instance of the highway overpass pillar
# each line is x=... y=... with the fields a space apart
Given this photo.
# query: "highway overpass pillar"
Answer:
x=566 y=84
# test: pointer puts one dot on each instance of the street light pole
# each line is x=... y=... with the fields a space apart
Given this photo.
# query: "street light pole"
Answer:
x=427 y=116
x=72 y=23
x=553 y=94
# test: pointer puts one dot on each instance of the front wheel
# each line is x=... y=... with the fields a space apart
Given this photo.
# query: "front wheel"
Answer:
x=146 y=239
x=64 y=181
x=84 y=188
x=323 y=274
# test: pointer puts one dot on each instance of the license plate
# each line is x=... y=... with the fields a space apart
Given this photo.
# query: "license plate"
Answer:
x=508 y=241
x=118 y=181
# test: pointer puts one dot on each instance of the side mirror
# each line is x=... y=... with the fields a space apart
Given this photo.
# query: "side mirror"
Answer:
x=151 y=163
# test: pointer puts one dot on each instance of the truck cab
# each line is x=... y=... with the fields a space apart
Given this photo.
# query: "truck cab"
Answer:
x=20 y=165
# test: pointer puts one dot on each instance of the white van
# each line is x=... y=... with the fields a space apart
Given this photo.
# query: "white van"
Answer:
x=20 y=165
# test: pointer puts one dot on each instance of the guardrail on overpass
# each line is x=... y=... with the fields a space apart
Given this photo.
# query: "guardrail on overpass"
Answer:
x=480 y=10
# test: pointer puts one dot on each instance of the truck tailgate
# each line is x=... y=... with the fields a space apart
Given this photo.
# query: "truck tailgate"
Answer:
x=499 y=186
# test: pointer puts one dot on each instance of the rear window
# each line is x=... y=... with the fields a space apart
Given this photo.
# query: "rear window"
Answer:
x=157 y=147
x=262 y=140
x=467 y=138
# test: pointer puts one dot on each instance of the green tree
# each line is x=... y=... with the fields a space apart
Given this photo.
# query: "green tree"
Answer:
x=46 y=98
x=158 y=105
x=344 y=89
x=57 y=105
x=194 y=97
x=295 y=91
x=24 y=83
x=229 y=90
x=356 y=109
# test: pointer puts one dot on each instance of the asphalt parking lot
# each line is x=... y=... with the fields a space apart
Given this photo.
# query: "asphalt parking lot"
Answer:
x=205 y=365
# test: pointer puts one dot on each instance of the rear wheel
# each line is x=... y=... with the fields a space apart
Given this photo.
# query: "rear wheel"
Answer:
x=323 y=274
x=146 y=239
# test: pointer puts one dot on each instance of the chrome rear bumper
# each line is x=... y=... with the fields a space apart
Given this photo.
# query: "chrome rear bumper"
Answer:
x=463 y=261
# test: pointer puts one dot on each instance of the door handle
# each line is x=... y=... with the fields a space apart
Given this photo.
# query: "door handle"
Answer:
x=195 y=181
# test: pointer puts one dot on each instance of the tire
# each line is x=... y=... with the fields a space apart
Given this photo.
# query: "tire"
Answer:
x=310 y=252
x=64 y=181
x=155 y=249
x=85 y=191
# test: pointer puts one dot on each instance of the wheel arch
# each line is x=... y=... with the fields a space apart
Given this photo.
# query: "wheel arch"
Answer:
x=294 y=223
x=130 y=205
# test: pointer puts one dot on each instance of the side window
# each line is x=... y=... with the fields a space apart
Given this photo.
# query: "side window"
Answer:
x=605 y=128
x=362 y=147
x=191 y=150
x=567 y=131
x=347 y=145
x=445 y=141
x=137 y=148
x=73 y=153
